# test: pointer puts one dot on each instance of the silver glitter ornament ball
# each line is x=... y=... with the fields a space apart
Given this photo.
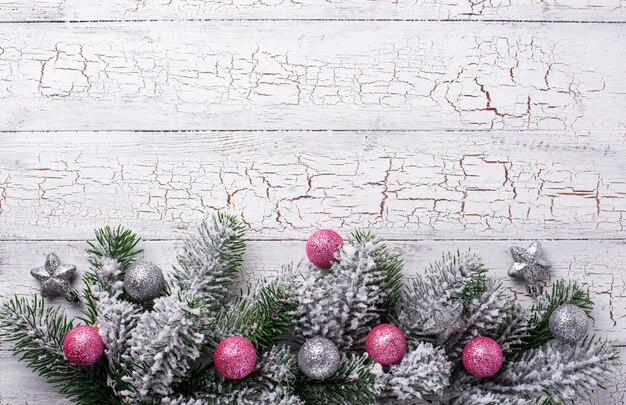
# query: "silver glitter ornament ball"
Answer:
x=569 y=323
x=144 y=281
x=319 y=358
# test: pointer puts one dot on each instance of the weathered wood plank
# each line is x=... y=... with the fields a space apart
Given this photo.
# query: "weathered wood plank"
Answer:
x=594 y=263
x=312 y=75
x=538 y=10
x=404 y=185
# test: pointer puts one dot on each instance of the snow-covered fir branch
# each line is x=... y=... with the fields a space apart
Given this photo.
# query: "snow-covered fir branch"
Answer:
x=566 y=371
x=168 y=338
x=209 y=262
x=344 y=303
x=443 y=283
x=495 y=314
x=422 y=373
x=271 y=383
x=162 y=348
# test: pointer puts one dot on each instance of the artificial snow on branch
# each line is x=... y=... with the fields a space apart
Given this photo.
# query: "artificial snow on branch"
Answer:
x=349 y=332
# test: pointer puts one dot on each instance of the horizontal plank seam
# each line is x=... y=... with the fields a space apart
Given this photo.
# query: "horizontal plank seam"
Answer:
x=618 y=239
x=453 y=20
x=486 y=130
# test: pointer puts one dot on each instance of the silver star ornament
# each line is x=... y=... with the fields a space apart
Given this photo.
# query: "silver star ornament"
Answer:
x=444 y=322
x=55 y=278
x=529 y=265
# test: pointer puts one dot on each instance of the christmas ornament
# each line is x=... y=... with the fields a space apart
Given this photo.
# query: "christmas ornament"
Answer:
x=445 y=321
x=529 y=265
x=144 y=281
x=322 y=247
x=55 y=278
x=83 y=345
x=568 y=323
x=385 y=344
x=482 y=357
x=235 y=357
x=319 y=358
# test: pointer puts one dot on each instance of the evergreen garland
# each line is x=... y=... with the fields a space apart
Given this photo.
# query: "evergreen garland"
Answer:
x=160 y=352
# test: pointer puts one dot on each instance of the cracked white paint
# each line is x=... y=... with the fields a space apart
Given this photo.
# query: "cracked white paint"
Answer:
x=312 y=75
x=554 y=10
x=579 y=260
x=415 y=185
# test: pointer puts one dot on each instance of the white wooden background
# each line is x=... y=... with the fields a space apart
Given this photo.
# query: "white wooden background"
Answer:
x=438 y=124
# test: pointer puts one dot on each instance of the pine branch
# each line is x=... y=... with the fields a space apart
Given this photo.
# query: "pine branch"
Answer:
x=210 y=261
x=422 y=373
x=474 y=287
x=554 y=371
x=262 y=316
x=38 y=334
x=457 y=277
x=562 y=293
x=113 y=250
x=354 y=383
x=344 y=303
x=271 y=382
x=167 y=340
x=391 y=265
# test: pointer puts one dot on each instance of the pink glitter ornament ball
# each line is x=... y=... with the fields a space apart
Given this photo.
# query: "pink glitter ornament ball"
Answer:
x=322 y=247
x=385 y=344
x=234 y=357
x=482 y=357
x=83 y=345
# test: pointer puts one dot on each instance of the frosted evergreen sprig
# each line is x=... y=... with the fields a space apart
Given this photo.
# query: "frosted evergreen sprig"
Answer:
x=457 y=276
x=271 y=383
x=113 y=243
x=161 y=349
x=423 y=372
x=553 y=372
x=495 y=314
x=168 y=339
x=209 y=262
x=353 y=296
x=262 y=315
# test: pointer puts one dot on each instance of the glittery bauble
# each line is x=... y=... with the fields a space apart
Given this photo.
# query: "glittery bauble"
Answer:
x=83 y=345
x=569 y=323
x=319 y=358
x=144 y=281
x=482 y=357
x=234 y=357
x=385 y=344
x=322 y=247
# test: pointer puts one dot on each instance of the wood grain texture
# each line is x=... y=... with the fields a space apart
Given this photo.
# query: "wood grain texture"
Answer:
x=312 y=75
x=542 y=10
x=593 y=263
x=404 y=185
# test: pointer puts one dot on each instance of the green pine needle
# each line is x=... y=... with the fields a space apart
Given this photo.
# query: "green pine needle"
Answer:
x=269 y=317
x=263 y=318
x=562 y=293
x=115 y=243
x=474 y=287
